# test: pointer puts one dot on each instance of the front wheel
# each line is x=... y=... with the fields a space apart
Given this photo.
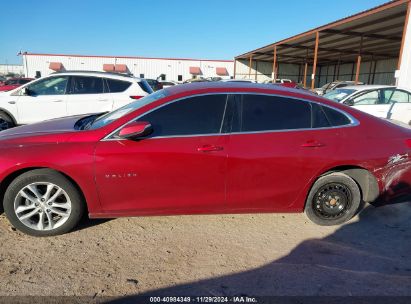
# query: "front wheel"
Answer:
x=6 y=122
x=333 y=199
x=43 y=202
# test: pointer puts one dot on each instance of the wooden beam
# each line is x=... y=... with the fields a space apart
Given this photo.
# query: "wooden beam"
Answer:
x=305 y=75
x=275 y=64
x=249 y=66
x=317 y=38
x=404 y=32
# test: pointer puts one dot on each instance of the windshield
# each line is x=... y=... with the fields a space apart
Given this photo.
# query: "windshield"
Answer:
x=110 y=117
x=339 y=94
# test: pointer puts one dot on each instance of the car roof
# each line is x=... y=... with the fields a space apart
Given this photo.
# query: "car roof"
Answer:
x=220 y=86
x=98 y=74
x=366 y=87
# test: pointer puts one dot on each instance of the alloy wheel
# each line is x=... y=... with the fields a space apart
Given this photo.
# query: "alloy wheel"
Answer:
x=42 y=206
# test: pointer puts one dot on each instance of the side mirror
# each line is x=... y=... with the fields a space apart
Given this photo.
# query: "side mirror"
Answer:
x=136 y=130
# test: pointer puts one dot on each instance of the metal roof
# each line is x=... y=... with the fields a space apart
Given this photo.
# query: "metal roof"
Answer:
x=377 y=32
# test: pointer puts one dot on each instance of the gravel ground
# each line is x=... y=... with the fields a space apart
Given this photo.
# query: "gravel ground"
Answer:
x=260 y=254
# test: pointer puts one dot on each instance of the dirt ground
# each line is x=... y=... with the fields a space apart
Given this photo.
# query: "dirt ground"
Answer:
x=264 y=254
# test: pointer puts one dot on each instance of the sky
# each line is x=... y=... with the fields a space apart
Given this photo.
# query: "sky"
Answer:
x=207 y=29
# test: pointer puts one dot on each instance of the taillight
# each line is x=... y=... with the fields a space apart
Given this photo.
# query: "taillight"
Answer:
x=136 y=97
x=408 y=143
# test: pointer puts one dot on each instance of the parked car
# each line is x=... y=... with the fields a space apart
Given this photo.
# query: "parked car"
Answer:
x=334 y=85
x=68 y=93
x=154 y=84
x=2 y=80
x=283 y=82
x=382 y=101
x=168 y=83
x=13 y=83
x=202 y=148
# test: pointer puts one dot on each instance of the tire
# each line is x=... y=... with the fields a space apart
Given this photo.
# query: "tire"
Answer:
x=6 y=122
x=54 y=201
x=333 y=200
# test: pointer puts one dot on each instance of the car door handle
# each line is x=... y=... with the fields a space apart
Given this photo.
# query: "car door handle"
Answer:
x=102 y=99
x=209 y=148
x=57 y=100
x=12 y=102
x=312 y=144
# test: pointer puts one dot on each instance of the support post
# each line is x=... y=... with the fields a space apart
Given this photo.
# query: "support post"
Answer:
x=256 y=69
x=370 y=70
x=305 y=74
x=275 y=63
x=317 y=38
x=235 y=65
x=249 y=66
x=357 y=71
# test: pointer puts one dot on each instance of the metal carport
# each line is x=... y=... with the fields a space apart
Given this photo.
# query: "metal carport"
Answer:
x=366 y=47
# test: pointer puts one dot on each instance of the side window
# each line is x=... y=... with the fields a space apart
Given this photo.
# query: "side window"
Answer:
x=49 y=86
x=117 y=86
x=369 y=98
x=87 y=85
x=191 y=116
x=265 y=113
x=319 y=119
x=336 y=118
x=400 y=97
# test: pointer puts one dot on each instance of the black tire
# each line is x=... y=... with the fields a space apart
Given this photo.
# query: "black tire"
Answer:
x=40 y=176
x=333 y=200
x=6 y=122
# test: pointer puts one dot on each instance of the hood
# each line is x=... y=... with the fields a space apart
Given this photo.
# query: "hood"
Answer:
x=59 y=125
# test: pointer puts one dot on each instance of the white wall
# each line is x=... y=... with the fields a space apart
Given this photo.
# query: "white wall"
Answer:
x=11 y=68
x=150 y=67
x=404 y=79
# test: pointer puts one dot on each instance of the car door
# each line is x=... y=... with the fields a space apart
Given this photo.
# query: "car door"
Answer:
x=88 y=95
x=116 y=92
x=179 y=168
x=273 y=152
x=400 y=101
x=42 y=100
x=372 y=102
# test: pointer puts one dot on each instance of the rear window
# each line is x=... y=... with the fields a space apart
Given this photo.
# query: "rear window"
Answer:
x=145 y=87
x=117 y=86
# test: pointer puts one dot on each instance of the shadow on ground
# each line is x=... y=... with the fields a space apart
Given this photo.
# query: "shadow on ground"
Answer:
x=368 y=256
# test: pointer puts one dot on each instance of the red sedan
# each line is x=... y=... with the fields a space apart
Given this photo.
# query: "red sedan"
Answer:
x=199 y=149
x=13 y=83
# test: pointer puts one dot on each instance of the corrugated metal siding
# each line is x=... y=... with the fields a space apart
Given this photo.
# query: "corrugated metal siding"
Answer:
x=151 y=68
x=384 y=72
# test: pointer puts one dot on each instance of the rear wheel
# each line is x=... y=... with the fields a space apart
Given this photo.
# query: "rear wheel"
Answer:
x=6 y=122
x=333 y=199
x=43 y=203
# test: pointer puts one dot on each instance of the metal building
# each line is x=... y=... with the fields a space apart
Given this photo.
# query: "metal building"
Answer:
x=177 y=69
x=373 y=47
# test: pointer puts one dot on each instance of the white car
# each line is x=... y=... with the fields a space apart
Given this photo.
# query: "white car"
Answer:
x=382 y=101
x=334 y=85
x=69 y=93
x=168 y=83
